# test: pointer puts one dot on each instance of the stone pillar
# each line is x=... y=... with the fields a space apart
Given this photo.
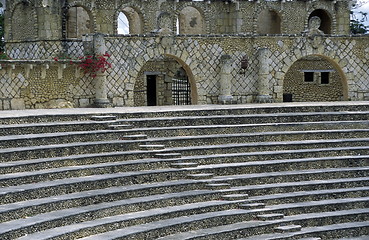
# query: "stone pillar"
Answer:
x=225 y=96
x=263 y=81
x=101 y=91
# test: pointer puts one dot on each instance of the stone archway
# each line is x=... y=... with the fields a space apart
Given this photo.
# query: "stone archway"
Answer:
x=155 y=81
x=190 y=21
x=314 y=78
x=78 y=22
x=269 y=22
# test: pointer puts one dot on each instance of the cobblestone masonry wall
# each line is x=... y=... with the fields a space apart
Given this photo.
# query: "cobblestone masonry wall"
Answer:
x=34 y=80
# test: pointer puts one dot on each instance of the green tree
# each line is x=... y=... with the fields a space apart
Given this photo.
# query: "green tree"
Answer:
x=2 y=43
x=357 y=24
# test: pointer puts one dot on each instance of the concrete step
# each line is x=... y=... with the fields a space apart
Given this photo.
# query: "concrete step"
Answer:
x=85 y=183
x=53 y=115
x=168 y=155
x=13 y=179
x=119 y=126
x=23 y=206
x=268 y=148
x=184 y=165
x=246 y=118
x=340 y=231
x=269 y=217
x=135 y=137
x=250 y=230
x=30 y=140
x=51 y=127
x=249 y=206
x=180 y=141
x=200 y=176
x=311 y=178
x=235 y=197
x=54 y=162
x=216 y=186
x=288 y=228
x=99 y=226
x=217 y=169
x=152 y=147
x=211 y=129
x=103 y=118
x=58 y=150
x=239 y=167
x=165 y=227
x=326 y=205
x=130 y=211
x=280 y=189
x=306 y=196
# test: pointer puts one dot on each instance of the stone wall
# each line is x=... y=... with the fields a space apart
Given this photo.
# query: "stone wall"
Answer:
x=208 y=33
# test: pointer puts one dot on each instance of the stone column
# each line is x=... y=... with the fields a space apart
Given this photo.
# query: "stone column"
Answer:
x=101 y=91
x=225 y=80
x=263 y=81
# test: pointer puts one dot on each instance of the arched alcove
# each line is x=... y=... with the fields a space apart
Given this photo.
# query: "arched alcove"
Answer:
x=314 y=78
x=164 y=80
x=269 y=22
x=190 y=21
x=79 y=22
x=326 y=21
x=24 y=22
x=129 y=21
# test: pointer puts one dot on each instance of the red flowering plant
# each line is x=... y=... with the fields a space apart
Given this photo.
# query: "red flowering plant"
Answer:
x=90 y=64
x=93 y=64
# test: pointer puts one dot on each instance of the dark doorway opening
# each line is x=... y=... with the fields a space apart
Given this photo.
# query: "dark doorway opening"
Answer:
x=287 y=97
x=151 y=90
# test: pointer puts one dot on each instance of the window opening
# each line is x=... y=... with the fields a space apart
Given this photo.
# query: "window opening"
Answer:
x=309 y=76
x=324 y=78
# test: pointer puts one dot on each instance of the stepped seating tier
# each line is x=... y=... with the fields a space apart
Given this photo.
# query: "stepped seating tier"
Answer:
x=269 y=171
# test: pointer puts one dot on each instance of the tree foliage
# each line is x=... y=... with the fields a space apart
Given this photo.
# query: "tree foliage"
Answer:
x=2 y=43
x=359 y=19
x=357 y=24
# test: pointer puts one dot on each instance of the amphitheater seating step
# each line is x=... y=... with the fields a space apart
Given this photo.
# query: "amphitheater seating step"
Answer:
x=288 y=228
x=269 y=217
x=103 y=118
x=284 y=171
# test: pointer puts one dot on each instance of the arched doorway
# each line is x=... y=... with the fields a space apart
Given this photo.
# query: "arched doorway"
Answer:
x=314 y=78
x=269 y=22
x=163 y=81
x=129 y=22
x=326 y=21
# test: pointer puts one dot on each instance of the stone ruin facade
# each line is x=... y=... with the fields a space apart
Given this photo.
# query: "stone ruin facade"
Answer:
x=181 y=52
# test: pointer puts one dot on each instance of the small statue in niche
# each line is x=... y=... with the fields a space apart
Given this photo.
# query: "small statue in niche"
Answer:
x=165 y=24
x=314 y=34
x=314 y=25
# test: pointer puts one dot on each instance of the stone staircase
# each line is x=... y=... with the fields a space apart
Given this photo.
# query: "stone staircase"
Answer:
x=246 y=172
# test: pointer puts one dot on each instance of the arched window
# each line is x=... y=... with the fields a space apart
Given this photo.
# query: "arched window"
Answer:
x=190 y=21
x=78 y=22
x=326 y=22
x=269 y=22
x=129 y=22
